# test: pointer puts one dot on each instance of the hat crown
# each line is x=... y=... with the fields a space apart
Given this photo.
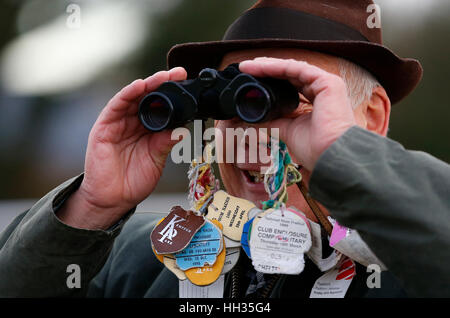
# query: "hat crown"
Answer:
x=352 y=13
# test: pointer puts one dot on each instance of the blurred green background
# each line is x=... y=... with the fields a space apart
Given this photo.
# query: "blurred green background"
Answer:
x=56 y=75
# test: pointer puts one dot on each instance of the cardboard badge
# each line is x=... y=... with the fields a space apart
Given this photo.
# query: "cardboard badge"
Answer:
x=170 y=263
x=188 y=290
x=245 y=237
x=335 y=282
x=175 y=232
x=231 y=258
x=315 y=252
x=231 y=211
x=278 y=241
x=203 y=249
x=230 y=243
x=253 y=212
x=256 y=214
x=206 y=275
x=160 y=257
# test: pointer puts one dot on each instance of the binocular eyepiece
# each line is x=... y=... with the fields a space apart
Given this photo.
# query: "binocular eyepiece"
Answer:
x=220 y=95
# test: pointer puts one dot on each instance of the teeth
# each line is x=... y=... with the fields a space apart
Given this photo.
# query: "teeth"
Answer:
x=257 y=176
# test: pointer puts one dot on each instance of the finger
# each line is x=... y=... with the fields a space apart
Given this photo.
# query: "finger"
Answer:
x=126 y=101
x=121 y=103
x=301 y=74
x=154 y=81
x=177 y=74
x=129 y=93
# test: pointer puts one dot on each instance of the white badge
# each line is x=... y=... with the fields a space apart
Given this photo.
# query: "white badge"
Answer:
x=231 y=243
x=253 y=212
x=335 y=282
x=353 y=246
x=231 y=212
x=231 y=258
x=189 y=290
x=315 y=253
x=278 y=241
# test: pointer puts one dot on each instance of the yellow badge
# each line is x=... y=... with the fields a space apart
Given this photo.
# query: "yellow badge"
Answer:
x=231 y=212
x=206 y=275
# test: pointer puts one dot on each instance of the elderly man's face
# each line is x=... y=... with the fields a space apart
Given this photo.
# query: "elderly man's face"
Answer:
x=237 y=177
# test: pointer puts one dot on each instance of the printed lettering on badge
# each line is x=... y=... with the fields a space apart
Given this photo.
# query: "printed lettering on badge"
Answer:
x=231 y=211
x=335 y=282
x=206 y=275
x=278 y=241
x=203 y=249
x=175 y=232
x=231 y=258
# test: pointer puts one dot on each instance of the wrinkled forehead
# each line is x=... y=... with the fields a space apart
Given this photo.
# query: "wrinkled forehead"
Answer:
x=326 y=62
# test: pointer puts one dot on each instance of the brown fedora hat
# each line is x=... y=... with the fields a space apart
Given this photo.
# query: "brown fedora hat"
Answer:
x=335 y=27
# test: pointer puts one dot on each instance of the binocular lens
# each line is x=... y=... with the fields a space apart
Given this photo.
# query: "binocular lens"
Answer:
x=156 y=112
x=252 y=102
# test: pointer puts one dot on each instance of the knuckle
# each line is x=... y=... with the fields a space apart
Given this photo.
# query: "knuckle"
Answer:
x=336 y=81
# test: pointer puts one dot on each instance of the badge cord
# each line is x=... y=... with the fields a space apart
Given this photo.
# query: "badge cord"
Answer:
x=277 y=187
x=315 y=208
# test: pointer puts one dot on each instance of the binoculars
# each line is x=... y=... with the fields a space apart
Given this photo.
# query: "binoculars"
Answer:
x=219 y=95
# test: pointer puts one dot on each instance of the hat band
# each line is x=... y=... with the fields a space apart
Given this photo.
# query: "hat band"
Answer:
x=284 y=23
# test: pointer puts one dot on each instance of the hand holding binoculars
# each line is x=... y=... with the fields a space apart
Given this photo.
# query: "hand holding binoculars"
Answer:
x=219 y=95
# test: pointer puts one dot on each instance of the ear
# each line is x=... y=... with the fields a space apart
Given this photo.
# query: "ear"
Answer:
x=377 y=112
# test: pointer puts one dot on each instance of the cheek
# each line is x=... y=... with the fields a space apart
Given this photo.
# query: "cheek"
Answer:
x=230 y=178
x=227 y=171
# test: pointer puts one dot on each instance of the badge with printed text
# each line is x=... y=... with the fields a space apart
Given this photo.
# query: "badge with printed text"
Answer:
x=245 y=236
x=175 y=232
x=231 y=211
x=230 y=243
x=231 y=258
x=278 y=241
x=256 y=215
x=335 y=282
x=170 y=262
x=206 y=275
x=315 y=252
x=253 y=212
x=203 y=249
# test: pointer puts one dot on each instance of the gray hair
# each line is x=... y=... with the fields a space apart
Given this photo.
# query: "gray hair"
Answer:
x=360 y=83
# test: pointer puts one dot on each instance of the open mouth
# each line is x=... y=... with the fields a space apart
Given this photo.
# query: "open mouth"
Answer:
x=253 y=176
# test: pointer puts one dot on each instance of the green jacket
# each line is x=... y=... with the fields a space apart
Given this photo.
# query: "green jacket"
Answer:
x=398 y=200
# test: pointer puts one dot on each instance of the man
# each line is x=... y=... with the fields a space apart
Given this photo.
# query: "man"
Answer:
x=398 y=200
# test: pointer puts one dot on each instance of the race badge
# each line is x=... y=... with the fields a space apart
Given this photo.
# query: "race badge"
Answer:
x=208 y=274
x=176 y=231
x=206 y=244
x=231 y=212
x=278 y=241
x=245 y=236
x=231 y=258
x=335 y=282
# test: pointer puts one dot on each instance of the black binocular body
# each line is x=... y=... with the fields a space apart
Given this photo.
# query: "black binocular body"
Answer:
x=219 y=95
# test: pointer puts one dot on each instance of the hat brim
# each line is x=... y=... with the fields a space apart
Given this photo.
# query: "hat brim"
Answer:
x=398 y=76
